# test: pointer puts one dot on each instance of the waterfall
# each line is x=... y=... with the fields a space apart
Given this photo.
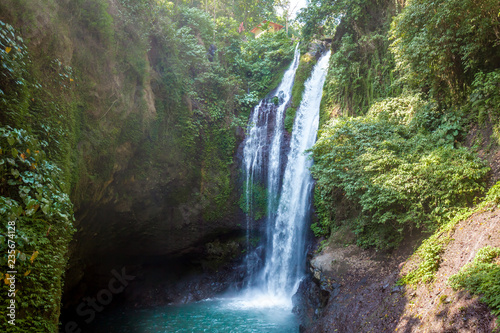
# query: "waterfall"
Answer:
x=285 y=260
x=289 y=198
x=261 y=154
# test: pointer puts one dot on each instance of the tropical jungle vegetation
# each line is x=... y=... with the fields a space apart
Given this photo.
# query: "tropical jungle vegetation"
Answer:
x=81 y=82
x=406 y=85
x=410 y=118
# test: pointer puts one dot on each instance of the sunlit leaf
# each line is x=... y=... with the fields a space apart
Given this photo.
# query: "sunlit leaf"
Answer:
x=33 y=256
x=14 y=172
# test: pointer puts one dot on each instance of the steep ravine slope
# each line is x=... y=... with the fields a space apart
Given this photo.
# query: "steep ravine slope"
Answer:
x=360 y=292
x=406 y=166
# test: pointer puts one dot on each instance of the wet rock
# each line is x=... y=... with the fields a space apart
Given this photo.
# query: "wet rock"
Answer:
x=397 y=289
x=307 y=302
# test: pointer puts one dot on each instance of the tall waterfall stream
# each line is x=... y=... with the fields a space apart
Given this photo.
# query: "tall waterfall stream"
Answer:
x=274 y=272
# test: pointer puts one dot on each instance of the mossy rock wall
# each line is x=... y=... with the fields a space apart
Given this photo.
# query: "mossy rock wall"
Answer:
x=141 y=122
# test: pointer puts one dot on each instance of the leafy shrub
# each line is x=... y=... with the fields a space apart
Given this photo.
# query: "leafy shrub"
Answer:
x=482 y=277
x=399 y=109
x=31 y=196
x=261 y=59
x=440 y=45
x=493 y=195
x=199 y=21
x=483 y=104
x=399 y=178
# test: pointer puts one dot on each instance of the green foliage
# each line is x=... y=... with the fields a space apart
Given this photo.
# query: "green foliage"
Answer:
x=400 y=110
x=319 y=15
x=250 y=12
x=256 y=205
x=94 y=16
x=324 y=17
x=47 y=112
x=216 y=180
x=260 y=59
x=149 y=91
x=401 y=166
x=402 y=177
x=361 y=66
x=430 y=250
x=32 y=198
x=439 y=46
x=199 y=21
x=202 y=92
x=429 y=253
x=482 y=277
x=306 y=64
x=493 y=196
x=13 y=75
x=36 y=141
x=360 y=73
x=290 y=118
x=484 y=99
x=483 y=103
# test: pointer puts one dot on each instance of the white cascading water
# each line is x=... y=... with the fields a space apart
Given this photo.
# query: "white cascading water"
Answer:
x=285 y=263
x=260 y=148
x=287 y=217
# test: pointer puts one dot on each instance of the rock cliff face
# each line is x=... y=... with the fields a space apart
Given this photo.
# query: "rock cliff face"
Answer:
x=152 y=176
x=153 y=228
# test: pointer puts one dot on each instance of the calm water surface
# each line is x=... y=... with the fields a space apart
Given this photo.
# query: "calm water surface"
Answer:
x=216 y=315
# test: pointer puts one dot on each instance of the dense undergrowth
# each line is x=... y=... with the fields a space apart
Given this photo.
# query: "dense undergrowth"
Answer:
x=396 y=175
x=35 y=209
x=395 y=159
x=482 y=277
x=407 y=82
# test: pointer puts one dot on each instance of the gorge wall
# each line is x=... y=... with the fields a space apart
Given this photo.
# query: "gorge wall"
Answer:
x=141 y=105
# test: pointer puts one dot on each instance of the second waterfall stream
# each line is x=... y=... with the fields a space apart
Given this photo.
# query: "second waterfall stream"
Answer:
x=274 y=273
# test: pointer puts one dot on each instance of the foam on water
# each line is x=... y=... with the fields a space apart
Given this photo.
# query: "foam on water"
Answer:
x=258 y=299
